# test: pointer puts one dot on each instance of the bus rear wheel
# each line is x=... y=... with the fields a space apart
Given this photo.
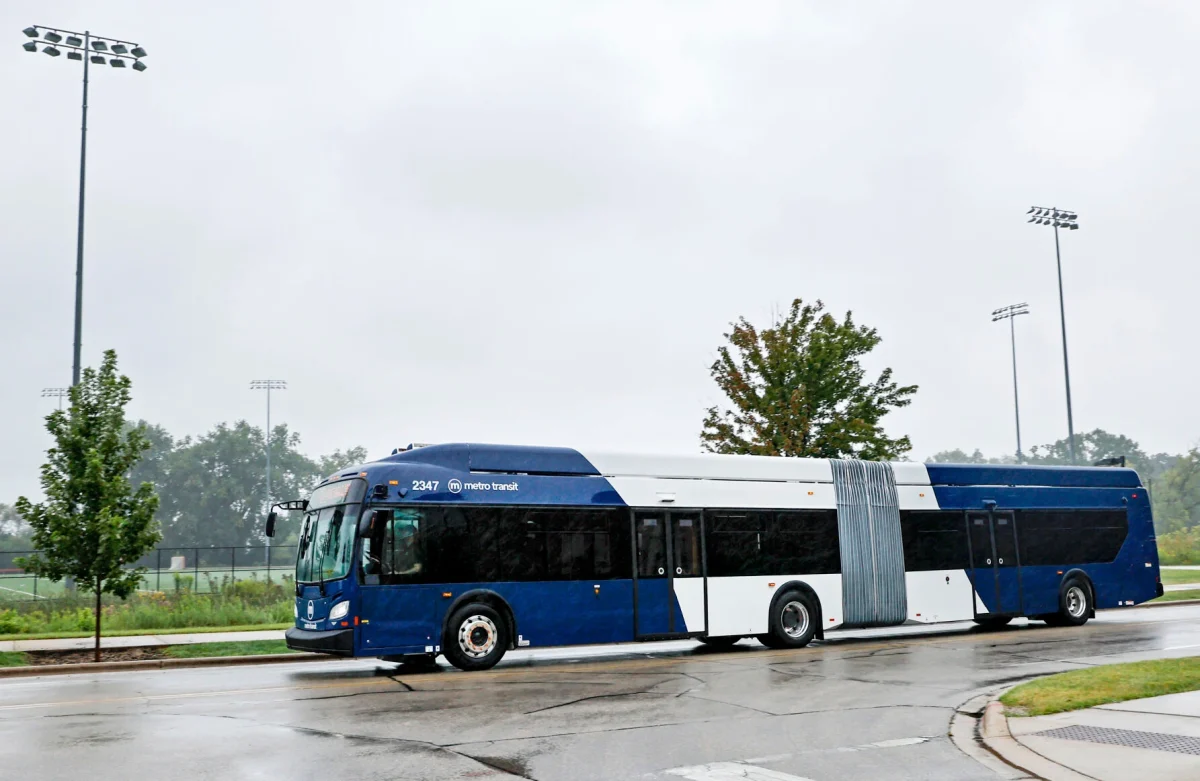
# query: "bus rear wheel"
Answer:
x=1074 y=604
x=476 y=637
x=793 y=621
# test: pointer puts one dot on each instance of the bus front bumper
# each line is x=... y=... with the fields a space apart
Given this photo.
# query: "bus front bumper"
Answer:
x=339 y=642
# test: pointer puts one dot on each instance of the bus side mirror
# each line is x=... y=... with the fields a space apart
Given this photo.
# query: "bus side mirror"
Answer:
x=271 y=518
x=369 y=522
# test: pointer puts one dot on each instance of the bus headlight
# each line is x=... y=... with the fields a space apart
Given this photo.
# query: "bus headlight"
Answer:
x=295 y=610
x=339 y=611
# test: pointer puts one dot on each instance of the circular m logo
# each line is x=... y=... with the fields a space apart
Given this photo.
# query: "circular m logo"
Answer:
x=455 y=486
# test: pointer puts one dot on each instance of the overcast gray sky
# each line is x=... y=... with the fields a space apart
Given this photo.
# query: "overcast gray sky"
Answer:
x=532 y=222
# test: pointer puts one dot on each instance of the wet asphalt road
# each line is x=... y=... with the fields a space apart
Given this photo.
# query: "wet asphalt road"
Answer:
x=863 y=705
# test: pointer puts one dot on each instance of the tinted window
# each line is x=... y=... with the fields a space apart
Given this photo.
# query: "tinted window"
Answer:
x=758 y=542
x=735 y=542
x=464 y=544
x=1062 y=537
x=804 y=542
x=934 y=540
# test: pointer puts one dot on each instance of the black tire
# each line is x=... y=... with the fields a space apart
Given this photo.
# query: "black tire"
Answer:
x=770 y=641
x=1075 y=603
x=793 y=620
x=476 y=637
x=720 y=642
x=993 y=622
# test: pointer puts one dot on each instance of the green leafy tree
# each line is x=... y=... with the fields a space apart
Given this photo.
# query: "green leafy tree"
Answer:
x=798 y=389
x=14 y=531
x=338 y=460
x=215 y=485
x=1176 y=495
x=93 y=524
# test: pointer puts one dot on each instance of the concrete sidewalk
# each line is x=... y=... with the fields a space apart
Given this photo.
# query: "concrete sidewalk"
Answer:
x=83 y=643
x=1155 y=739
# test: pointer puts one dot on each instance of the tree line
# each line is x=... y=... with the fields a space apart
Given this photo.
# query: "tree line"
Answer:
x=212 y=488
x=1172 y=479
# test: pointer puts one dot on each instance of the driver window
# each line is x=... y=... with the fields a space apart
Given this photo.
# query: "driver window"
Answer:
x=395 y=550
x=404 y=546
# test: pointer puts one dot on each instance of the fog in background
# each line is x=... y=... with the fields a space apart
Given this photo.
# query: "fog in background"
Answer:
x=533 y=222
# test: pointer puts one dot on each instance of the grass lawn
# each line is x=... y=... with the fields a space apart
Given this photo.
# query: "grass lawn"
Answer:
x=246 y=648
x=137 y=632
x=12 y=659
x=1175 y=596
x=1171 y=577
x=1099 y=685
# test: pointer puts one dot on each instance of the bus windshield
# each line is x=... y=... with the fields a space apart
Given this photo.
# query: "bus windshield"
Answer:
x=327 y=543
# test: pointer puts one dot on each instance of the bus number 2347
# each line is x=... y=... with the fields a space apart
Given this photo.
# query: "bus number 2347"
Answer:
x=425 y=485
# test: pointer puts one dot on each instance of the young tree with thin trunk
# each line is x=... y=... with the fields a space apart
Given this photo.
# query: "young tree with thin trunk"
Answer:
x=798 y=389
x=93 y=524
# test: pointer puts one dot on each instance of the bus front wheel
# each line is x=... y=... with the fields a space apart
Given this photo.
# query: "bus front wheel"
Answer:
x=476 y=637
x=793 y=621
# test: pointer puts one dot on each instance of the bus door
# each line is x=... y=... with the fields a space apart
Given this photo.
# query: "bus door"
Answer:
x=667 y=581
x=994 y=563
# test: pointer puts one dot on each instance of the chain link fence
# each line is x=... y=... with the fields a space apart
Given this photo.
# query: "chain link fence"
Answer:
x=168 y=569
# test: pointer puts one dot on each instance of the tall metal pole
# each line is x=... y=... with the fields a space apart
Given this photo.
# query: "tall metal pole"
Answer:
x=87 y=37
x=268 y=386
x=1066 y=364
x=1011 y=313
x=268 y=454
x=1012 y=330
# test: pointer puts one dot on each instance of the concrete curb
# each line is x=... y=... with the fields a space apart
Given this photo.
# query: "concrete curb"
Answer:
x=159 y=664
x=995 y=735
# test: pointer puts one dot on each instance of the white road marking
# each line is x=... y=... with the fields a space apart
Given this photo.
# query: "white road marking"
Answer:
x=748 y=770
x=732 y=771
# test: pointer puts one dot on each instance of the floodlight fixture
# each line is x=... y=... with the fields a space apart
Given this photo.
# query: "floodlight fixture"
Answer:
x=117 y=62
x=139 y=66
x=74 y=55
x=29 y=46
x=51 y=51
x=100 y=46
x=74 y=40
x=118 y=48
x=52 y=37
x=138 y=51
x=31 y=32
x=96 y=59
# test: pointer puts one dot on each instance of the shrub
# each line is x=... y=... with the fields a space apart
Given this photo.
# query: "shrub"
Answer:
x=1179 y=547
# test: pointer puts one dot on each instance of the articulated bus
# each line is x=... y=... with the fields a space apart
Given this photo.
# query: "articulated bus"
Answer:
x=468 y=550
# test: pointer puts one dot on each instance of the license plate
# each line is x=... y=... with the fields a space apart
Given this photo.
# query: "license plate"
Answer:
x=309 y=626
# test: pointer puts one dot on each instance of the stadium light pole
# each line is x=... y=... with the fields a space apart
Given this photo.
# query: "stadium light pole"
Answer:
x=94 y=50
x=1058 y=218
x=60 y=393
x=268 y=386
x=1011 y=313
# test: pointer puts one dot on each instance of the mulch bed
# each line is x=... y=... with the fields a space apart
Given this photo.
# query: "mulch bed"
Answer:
x=106 y=655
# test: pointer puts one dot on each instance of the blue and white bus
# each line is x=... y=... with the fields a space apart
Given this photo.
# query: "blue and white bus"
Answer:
x=469 y=550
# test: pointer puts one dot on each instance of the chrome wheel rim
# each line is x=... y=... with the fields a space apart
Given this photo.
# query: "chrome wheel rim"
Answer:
x=1076 y=601
x=795 y=619
x=477 y=636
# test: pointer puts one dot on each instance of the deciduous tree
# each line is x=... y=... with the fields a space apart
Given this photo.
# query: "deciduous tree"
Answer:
x=93 y=524
x=798 y=388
